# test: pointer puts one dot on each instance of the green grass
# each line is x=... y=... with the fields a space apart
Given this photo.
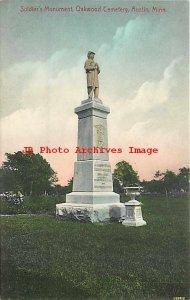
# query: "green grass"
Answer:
x=44 y=258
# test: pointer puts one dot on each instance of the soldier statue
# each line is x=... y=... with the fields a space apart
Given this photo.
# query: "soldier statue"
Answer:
x=92 y=71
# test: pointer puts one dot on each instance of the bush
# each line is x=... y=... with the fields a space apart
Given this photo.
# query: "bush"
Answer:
x=31 y=205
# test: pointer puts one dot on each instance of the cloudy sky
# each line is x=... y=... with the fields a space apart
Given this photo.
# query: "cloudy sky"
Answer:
x=144 y=79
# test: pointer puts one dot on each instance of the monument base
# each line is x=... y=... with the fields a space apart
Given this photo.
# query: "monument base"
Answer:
x=92 y=197
x=133 y=214
x=134 y=223
x=108 y=212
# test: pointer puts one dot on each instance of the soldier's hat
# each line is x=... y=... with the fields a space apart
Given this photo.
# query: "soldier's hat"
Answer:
x=90 y=52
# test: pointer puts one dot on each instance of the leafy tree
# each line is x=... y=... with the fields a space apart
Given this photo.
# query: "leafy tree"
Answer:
x=62 y=190
x=167 y=181
x=59 y=190
x=29 y=173
x=9 y=180
x=117 y=186
x=153 y=186
x=2 y=174
x=69 y=186
x=170 y=181
x=183 y=179
x=158 y=174
x=124 y=175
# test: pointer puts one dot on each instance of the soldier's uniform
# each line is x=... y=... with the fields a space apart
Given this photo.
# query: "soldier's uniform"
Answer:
x=92 y=76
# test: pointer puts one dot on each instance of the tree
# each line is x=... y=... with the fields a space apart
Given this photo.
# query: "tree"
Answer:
x=69 y=186
x=170 y=181
x=153 y=186
x=183 y=179
x=29 y=173
x=63 y=190
x=158 y=174
x=117 y=186
x=167 y=181
x=124 y=175
x=59 y=190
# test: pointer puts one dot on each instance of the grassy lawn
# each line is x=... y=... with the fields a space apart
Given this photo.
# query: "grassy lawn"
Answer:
x=44 y=258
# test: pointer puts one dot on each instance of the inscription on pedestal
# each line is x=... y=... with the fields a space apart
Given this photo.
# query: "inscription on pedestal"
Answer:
x=102 y=176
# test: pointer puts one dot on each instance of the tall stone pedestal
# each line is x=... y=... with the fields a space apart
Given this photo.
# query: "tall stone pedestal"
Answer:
x=92 y=198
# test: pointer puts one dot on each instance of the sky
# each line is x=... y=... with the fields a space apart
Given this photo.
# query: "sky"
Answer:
x=143 y=59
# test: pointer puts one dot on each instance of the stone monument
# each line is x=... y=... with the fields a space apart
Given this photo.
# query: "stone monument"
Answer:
x=92 y=198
